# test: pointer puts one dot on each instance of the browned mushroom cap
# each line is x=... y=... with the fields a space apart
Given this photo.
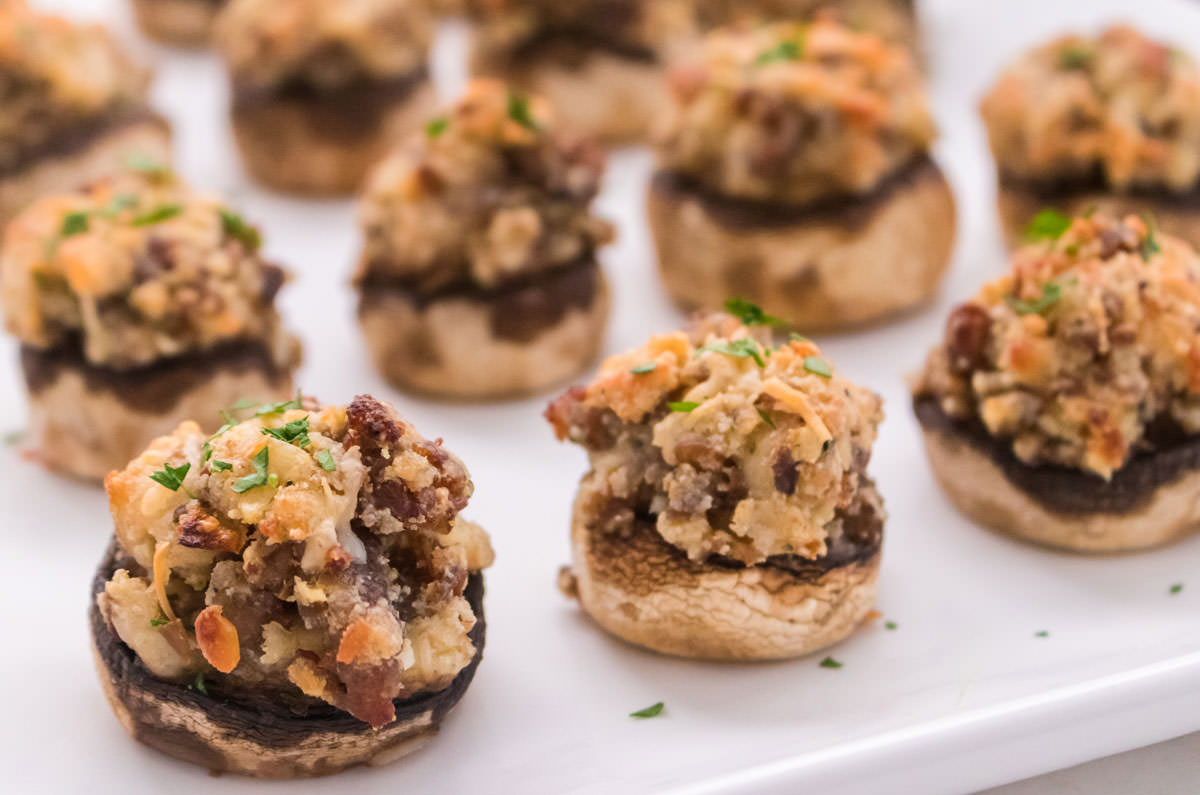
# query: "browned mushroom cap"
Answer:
x=644 y=591
x=278 y=738
x=1151 y=501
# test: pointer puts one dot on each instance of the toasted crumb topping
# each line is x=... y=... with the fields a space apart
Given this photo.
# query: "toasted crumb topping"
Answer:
x=487 y=193
x=734 y=447
x=890 y=19
x=1117 y=108
x=1086 y=353
x=795 y=112
x=513 y=30
x=323 y=45
x=58 y=74
x=136 y=268
x=304 y=550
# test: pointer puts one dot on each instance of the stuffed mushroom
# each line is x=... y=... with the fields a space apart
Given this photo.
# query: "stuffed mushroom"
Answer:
x=1108 y=123
x=795 y=171
x=74 y=109
x=479 y=276
x=1063 y=406
x=138 y=304
x=292 y=595
x=321 y=90
x=728 y=514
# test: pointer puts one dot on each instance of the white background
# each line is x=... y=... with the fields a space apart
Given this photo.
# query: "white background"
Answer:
x=961 y=696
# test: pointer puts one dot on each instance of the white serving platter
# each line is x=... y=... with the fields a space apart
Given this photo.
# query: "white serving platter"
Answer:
x=961 y=696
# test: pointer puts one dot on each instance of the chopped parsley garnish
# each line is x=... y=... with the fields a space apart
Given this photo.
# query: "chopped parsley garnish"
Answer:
x=119 y=203
x=276 y=408
x=751 y=314
x=1176 y=588
x=683 y=406
x=272 y=480
x=652 y=711
x=790 y=50
x=295 y=432
x=1048 y=225
x=217 y=465
x=1074 y=57
x=325 y=459
x=236 y=228
x=1051 y=292
x=645 y=367
x=766 y=417
x=171 y=477
x=829 y=662
x=744 y=348
x=436 y=127
x=138 y=161
x=1042 y=634
x=13 y=438
x=1150 y=246
x=203 y=688
x=794 y=337
x=261 y=460
x=892 y=625
x=163 y=212
x=74 y=224
x=518 y=111
x=158 y=622
x=817 y=366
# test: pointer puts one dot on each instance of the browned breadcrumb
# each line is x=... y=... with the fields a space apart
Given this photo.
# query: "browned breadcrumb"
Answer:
x=734 y=447
x=795 y=112
x=1119 y=107
x=136 y=268
x=891 y=19
x=1089 y=341
x=58 y=75
x=322 y=44
x=489 y=192
x=332 y=565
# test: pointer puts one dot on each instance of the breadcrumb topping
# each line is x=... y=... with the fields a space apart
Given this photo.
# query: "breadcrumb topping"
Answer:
x=736 y=448
x=321 y=44
x=796 y=112
x=891 y=19
x=487 y=193
x=305 y=549
x=1085 y=352
x=136 y=268
x=1118 y=108
x=58 y=74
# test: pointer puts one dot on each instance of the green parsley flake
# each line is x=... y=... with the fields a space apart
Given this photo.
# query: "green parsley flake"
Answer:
x=766 y=417
x=119 y=204
x=794 y=337
x=518 y=111
x=751 y=314
x=158 y=622
x=790 y=50
x=199 y=685
x=645 y=367
x=171 y=477
x=1150 y=246
x=139 y=161
x=652 y=711
x=295 y=432
x=891 y=625
x=74 y=224
x=161 y=213
x=13 y=437
x=744 y=348
x=261 y=460
x=220 y=466
x=1048 y=225
x=683 y=406
x=325 y=459
x=1176 y=588
x=818 y=366
x=275 y=408
x=829 y=662
x=436 y=127
x=1051 y=292
x=1074 y=57
x=1042 y=634
x=236 y=228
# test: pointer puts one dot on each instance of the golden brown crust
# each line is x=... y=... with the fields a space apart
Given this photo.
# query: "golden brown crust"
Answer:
x=979 y=488
x=186 y=23
x=285 y=145
x=826 y=271
x=649 y=594
x=448 y=347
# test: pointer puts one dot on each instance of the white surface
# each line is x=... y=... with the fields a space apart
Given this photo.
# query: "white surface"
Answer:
x=962 y=696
